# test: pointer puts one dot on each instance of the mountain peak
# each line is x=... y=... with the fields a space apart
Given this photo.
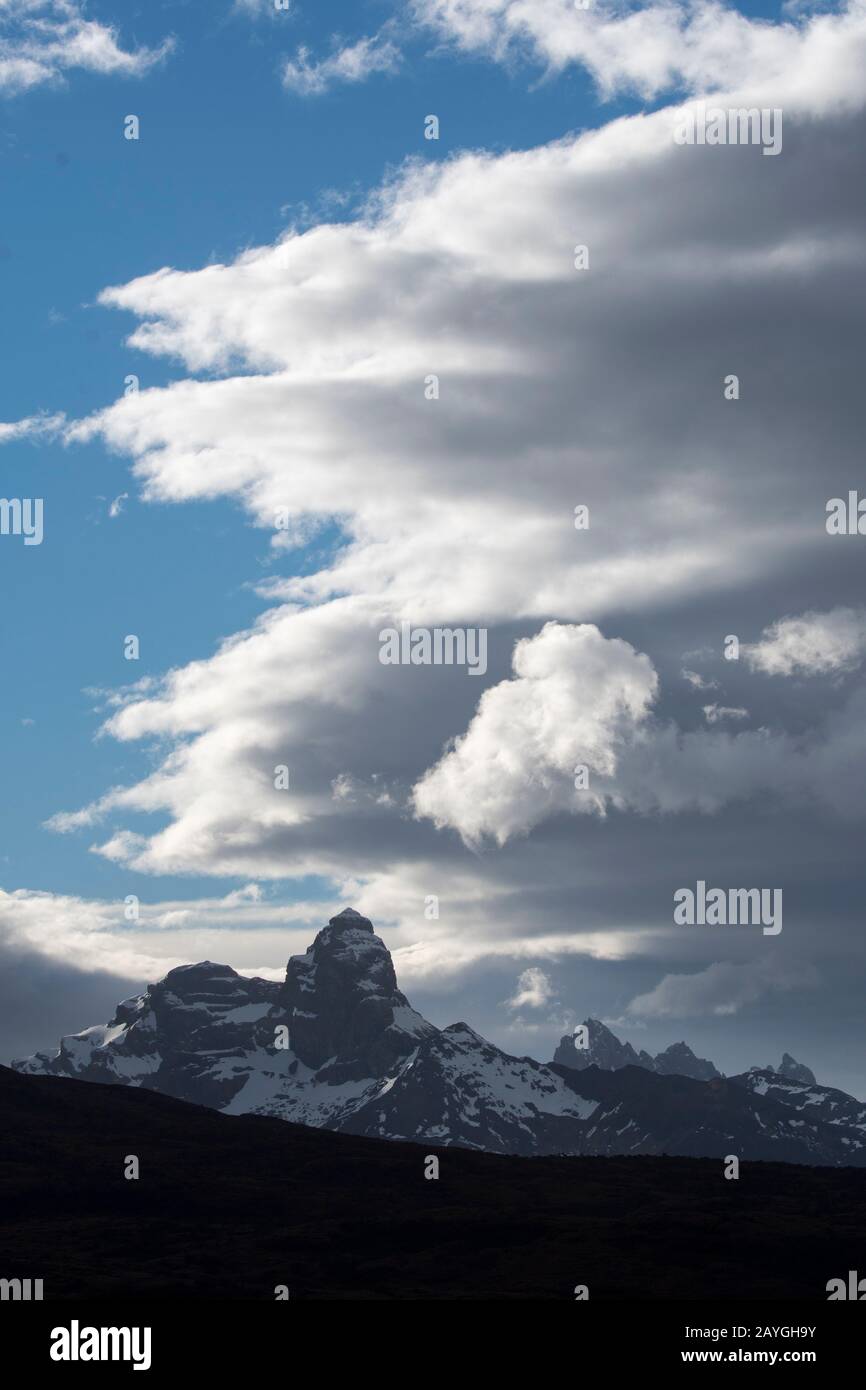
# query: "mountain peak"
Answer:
x=680 y=1060
x=350 y=918
x=343 y=1003
x=204 y=968
x=601 y=1048
x=604 y=1049
x=795 y=1071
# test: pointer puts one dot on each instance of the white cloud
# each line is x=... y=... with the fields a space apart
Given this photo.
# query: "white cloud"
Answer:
x=699 y=46
x=33 y=427
x=116 y=506
x=534 y=990
x=255 y=935
x=353 y=63
x=241 y=928
x=813 y=644
x=41 y=40
x=722 y=989
x=579 y=699
x=575 y=699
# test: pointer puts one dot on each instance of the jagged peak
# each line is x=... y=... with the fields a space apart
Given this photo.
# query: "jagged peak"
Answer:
x=792 y=1070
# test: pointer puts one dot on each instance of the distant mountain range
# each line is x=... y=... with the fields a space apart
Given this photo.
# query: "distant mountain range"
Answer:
x=593 y=1044
x=337 y=1046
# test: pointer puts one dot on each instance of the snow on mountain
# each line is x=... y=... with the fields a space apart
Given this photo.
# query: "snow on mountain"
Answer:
x=807 y=1098
x=337 y=1045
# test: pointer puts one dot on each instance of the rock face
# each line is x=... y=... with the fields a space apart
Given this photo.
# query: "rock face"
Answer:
x=795 y=1071
x=160 y=1038
x=338 y=1046
x=605 y=1050
x=344 y=1004
x=679 y=1060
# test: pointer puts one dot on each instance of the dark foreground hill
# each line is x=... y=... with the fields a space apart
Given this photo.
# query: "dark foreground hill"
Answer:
x=232 y=1206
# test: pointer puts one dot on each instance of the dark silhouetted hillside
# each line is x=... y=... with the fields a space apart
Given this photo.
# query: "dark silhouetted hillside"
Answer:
x=230 y=1206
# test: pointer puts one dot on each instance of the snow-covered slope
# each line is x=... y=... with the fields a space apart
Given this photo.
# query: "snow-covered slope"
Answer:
x=809 y=1100
x=337 y=1045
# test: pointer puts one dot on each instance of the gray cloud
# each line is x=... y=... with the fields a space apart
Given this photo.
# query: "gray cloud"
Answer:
x=43 y=999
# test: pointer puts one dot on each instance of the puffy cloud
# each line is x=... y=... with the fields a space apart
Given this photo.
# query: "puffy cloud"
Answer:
x=353 y=63
x=583 y=701
x=813 y=644
x=40 y=40
x=534 y=990
x=575 y=701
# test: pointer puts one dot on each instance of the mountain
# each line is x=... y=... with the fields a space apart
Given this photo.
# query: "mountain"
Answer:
x=233 y=1207
x=795 y=1071
x=336 y=1045
x=808 y=1100
x=679 y=1060
x=604 y=1049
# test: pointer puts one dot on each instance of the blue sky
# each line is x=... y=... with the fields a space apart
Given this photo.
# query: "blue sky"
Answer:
x=227 y=159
